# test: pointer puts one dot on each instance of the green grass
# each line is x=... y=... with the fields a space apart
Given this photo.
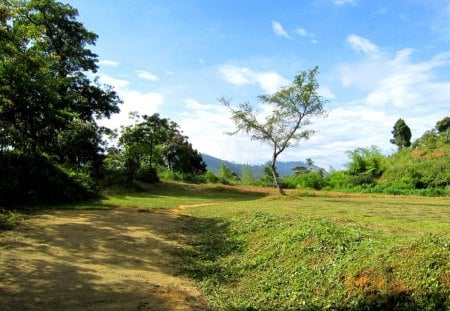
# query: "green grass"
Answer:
x=323 y=252
x=9 y=219
x=251 y=249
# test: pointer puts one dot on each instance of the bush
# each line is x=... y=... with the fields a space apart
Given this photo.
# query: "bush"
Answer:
x=34 y=180
x=313 y=180
x=147 y=175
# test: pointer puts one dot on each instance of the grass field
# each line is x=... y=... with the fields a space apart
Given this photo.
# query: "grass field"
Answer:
x=254 y=250
x=251 y=249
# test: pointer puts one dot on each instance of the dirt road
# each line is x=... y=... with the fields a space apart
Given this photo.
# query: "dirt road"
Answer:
x=119 y=259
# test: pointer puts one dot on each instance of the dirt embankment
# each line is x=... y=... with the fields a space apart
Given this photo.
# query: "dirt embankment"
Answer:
x=119 y=259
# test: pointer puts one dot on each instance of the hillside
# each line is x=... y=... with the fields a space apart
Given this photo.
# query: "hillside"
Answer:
x=425 y=165
x=284 y=168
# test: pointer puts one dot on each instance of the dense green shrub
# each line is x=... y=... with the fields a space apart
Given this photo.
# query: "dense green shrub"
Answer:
x=147 y=175
x=312 y=180
x=34 y=180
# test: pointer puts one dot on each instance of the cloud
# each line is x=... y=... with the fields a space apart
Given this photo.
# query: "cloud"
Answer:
x=410 y=85
x=108 y=63
x=133 y=100
x=343 y=2
x=269 y=81
x=393 y=86
x=279 y=31
x=362 y=45
x=147 y=75
x=114 y=82
x=207 y=126
x=326 y=92
x=193 y=104
x=305 y=34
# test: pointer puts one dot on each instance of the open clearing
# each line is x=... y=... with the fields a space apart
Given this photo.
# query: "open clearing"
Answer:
x=244 y=247
x=117 y=259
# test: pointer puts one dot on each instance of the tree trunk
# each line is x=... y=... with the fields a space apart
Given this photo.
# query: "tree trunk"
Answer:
x=275 y=174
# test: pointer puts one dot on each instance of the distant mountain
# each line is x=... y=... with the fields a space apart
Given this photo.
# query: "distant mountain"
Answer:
x=284 y=168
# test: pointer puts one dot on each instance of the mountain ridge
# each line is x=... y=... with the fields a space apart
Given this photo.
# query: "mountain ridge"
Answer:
x=284 y=168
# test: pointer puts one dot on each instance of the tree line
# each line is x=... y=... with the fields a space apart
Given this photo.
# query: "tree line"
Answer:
x=52 y=147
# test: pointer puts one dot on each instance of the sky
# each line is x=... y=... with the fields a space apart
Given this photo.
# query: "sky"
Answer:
x=378 y=60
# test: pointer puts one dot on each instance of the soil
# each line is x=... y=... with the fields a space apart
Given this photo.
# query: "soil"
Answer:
x=120 y=259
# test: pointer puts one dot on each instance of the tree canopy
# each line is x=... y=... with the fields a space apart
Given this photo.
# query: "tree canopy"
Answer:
x=286 y=125
x=45 y=91
x=402 y=134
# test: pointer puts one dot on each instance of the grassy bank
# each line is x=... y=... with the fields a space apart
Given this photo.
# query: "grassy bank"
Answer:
x=334 y=252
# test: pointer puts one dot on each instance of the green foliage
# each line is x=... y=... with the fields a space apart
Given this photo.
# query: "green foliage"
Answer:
x=154 y=143
x=292 y=106
x=266 y=180
x=306 y=177
x=9 y=219
x=402 y=134
x=227 y=176
x=247 y=176
x=211 y=177
x=299 y=257
x=443 y=125
x=311 y=180
x=338 y=180
x=43 y=74
x=49 y=107
x=417 y=169
x=366 y=164
x=34 y=180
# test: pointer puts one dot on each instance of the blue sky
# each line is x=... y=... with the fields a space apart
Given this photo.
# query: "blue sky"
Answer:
x=379 y=61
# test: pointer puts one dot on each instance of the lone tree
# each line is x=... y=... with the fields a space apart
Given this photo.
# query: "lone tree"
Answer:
x=285 y=126
x=402 y=134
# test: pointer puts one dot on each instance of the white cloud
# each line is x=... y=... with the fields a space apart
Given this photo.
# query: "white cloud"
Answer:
x=207 y=126
x=393 y=87
x=147 y=75
x=343 y=2
x=193 y=104
x=306 y=34
x=236 y=75
x=133 y=100
x=278 y=30
x=362 y=45
x=114 y=82
x=303 y=33
x=269 y=81
x=326 y=92
x=108 y=63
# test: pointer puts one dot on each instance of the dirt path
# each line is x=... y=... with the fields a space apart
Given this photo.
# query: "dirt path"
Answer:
x=119 y=259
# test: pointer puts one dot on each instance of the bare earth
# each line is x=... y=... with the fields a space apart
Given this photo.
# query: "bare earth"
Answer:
x=120 y=259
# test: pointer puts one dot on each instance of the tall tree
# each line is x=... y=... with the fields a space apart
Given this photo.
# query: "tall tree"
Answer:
x=44 y=88
x=285 y=127
x=181 y=156
x=141 y=142
x=402 y=134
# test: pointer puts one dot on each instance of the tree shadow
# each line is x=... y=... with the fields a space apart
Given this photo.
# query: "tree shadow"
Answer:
x=177 y=190
x=96 y=260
